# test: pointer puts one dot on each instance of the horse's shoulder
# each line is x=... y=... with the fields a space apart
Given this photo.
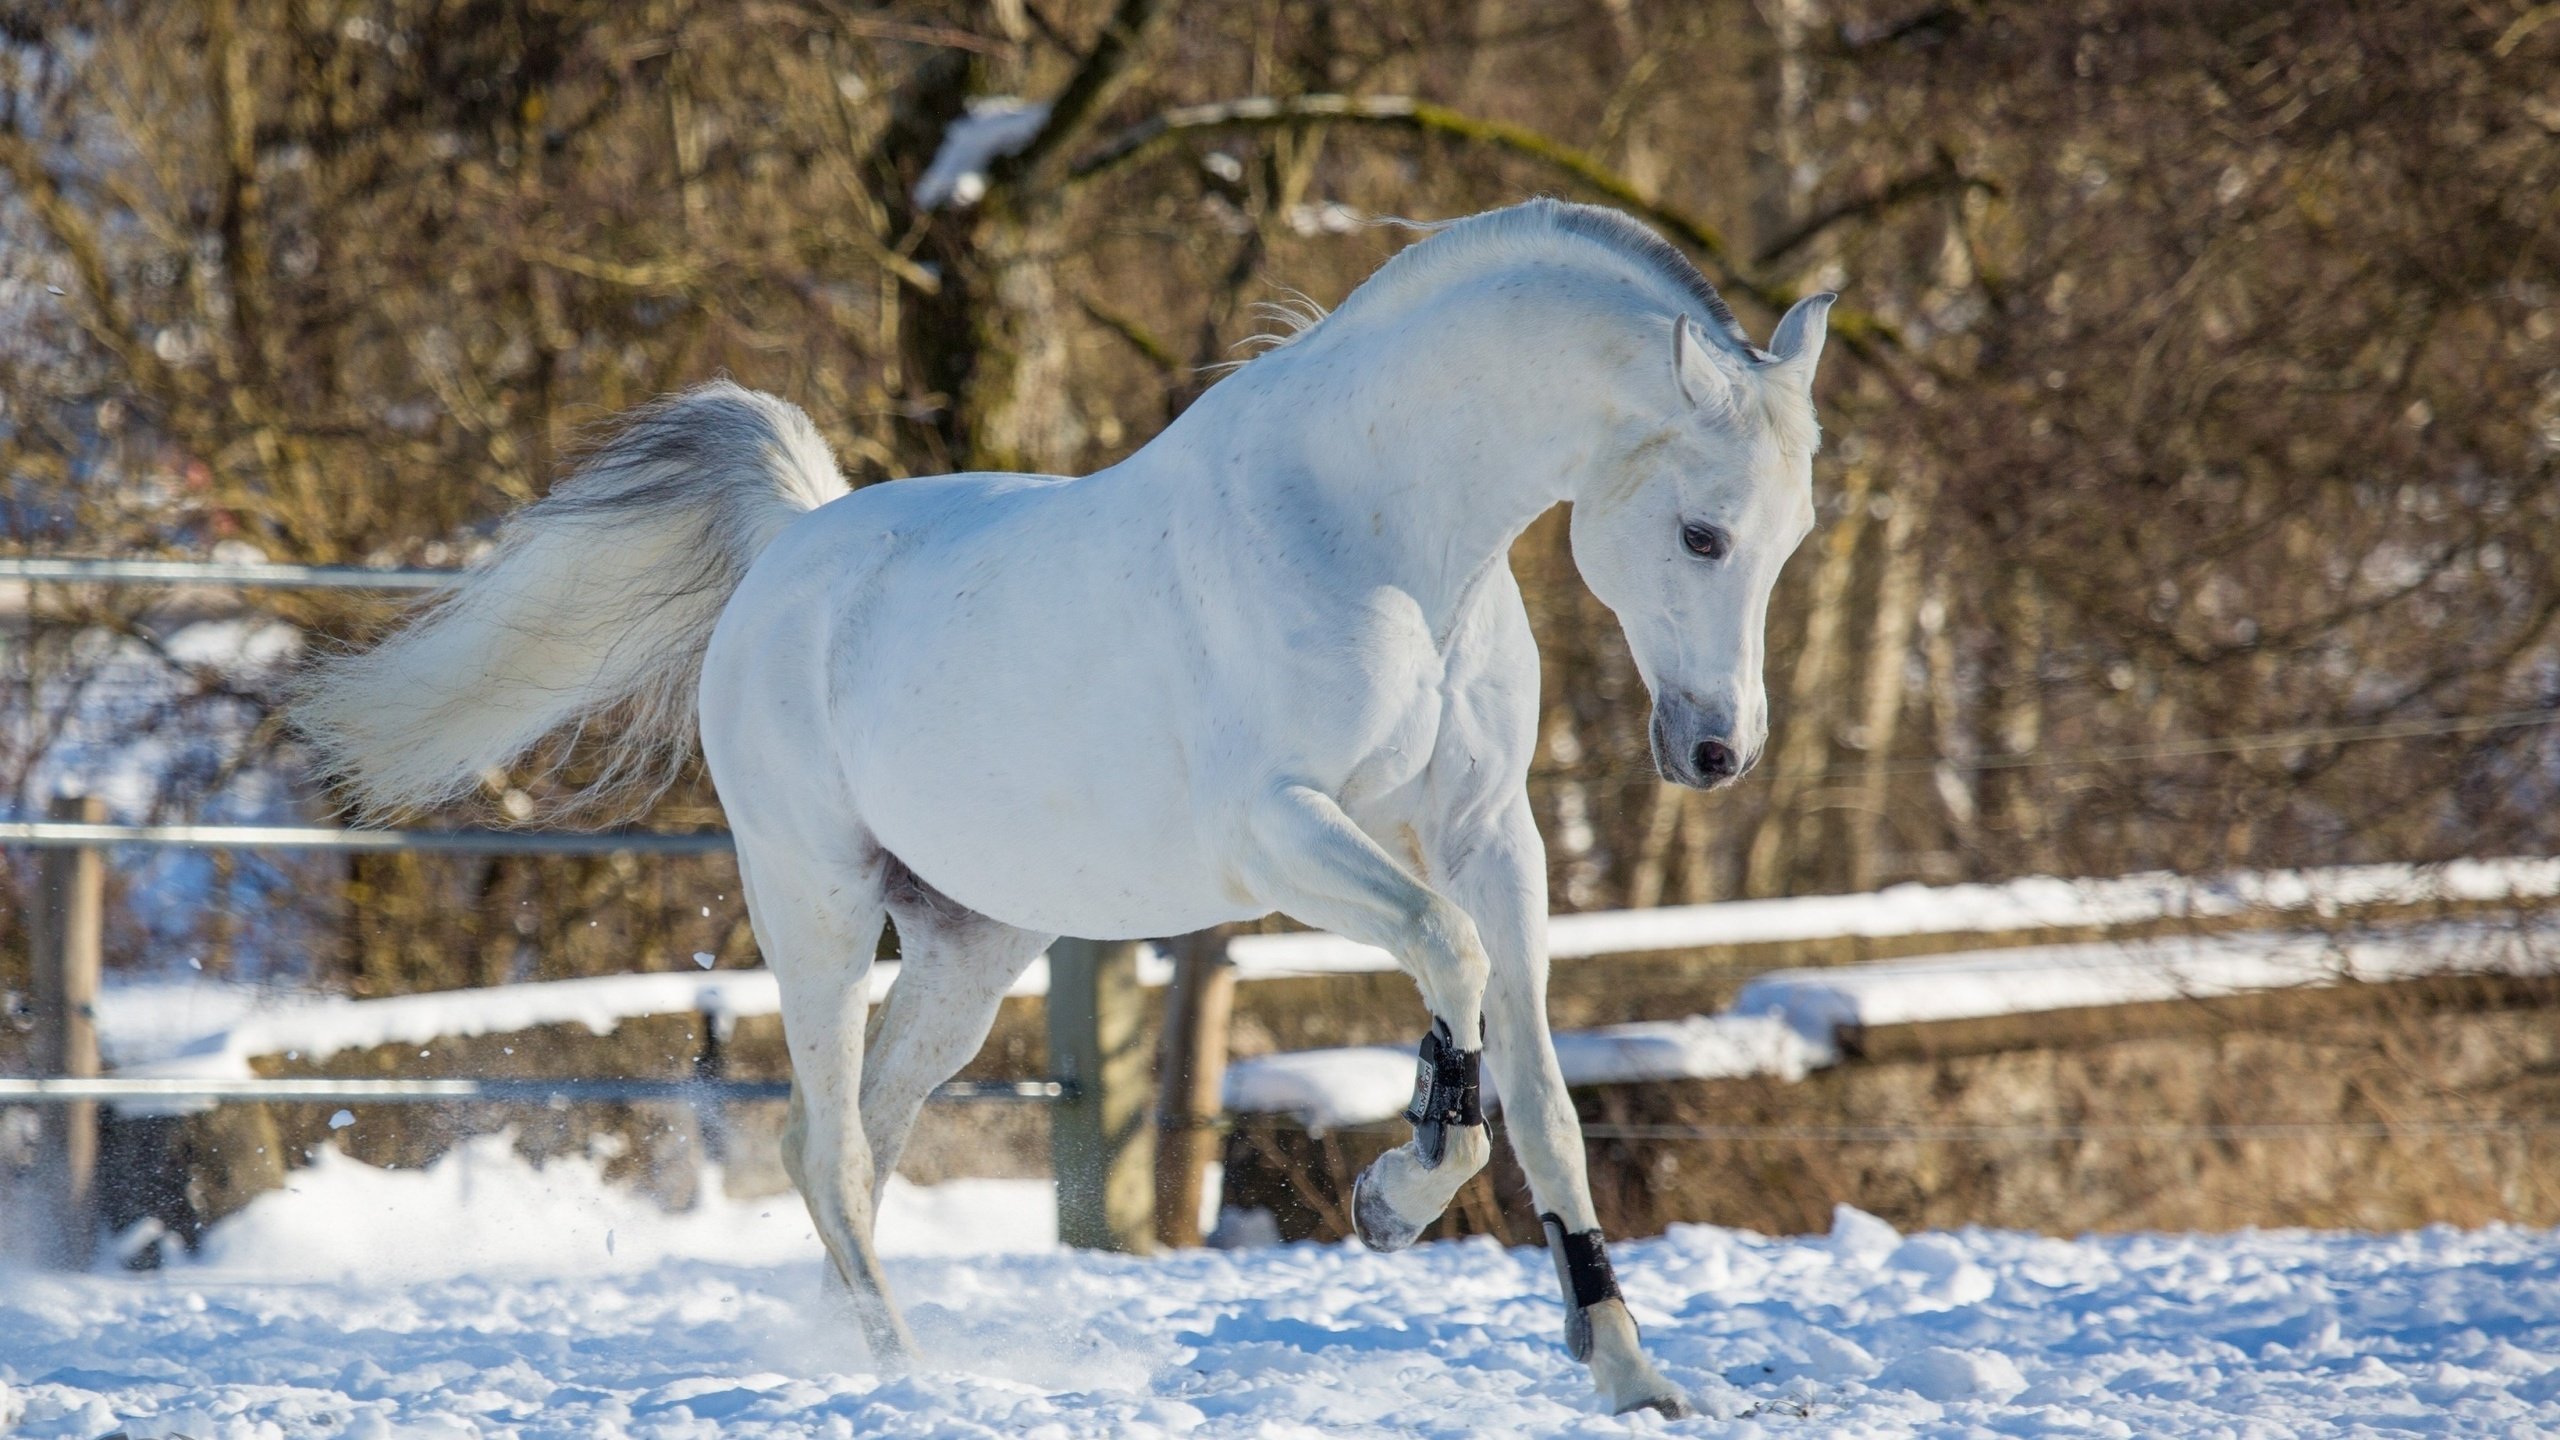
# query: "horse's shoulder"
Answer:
x=1491 y=637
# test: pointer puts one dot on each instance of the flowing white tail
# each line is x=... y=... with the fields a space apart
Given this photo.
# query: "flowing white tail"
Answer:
x=600 y=599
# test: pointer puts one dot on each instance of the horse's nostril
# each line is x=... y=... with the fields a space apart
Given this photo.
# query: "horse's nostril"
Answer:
x=1716 y=760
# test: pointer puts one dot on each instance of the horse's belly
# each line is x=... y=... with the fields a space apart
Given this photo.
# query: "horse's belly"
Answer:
x=1044 y=783
x=1059 y=858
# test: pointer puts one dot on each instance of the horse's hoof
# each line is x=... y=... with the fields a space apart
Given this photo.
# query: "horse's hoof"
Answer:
x=1671 y=1405
x=1376 y=1221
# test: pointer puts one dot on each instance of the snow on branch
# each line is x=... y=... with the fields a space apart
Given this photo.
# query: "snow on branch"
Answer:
x=994 y=129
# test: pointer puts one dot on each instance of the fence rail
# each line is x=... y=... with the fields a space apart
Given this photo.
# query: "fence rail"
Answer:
x=76 y=835
x=75 y=570
x=70 y=1090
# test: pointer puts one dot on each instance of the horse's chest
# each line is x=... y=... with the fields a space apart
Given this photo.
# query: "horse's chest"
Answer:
x=1396 y=752
x=1389 y=703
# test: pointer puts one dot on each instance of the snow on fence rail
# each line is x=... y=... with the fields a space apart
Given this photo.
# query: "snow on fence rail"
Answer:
x=2131 y=972
x=452 y=1089
x=171 y=1032
x=230 y=574
x=2036 y=902
x=83 y=835
x=1787 y=1023
x=145 y=1028
x=141 y=1025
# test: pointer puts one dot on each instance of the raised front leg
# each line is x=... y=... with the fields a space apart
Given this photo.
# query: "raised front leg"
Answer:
x=1502 y=881
x=1311 y=862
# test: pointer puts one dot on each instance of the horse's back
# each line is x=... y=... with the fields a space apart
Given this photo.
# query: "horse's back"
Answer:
x=1056 y=699
x=987 y=671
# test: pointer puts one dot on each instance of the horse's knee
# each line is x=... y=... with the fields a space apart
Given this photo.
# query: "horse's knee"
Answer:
x=1449 y=934
x=1448 y=960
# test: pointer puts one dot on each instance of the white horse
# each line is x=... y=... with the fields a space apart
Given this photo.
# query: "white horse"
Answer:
x=1276 y=660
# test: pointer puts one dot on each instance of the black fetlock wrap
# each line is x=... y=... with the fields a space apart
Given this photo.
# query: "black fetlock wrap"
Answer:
x=1582 y=1268
x=1447 y=1090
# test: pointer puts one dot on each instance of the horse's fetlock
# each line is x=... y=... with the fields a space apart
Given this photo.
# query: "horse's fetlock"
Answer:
x=1584 y=1273
x=1468 y=1150
x=1599 y=1329
x=1448 y=1091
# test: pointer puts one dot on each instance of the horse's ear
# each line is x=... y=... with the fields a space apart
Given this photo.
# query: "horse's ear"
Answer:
x=1797 y=342
x=1701 y=377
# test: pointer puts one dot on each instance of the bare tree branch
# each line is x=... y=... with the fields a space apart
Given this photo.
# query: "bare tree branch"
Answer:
x=1104 y=67
x=1138 y=337
x=102 y=313
x=1856 y=328
x=1938 y=179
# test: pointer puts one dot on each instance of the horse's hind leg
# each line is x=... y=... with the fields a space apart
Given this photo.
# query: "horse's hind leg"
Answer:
x=954 y=968
x=818 y=924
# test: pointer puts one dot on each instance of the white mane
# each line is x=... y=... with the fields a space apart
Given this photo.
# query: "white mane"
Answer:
x=1554 y=230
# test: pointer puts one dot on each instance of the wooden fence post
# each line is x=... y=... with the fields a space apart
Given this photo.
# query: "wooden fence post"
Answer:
x=68 y=931
x=711 y=1066
x=1102 y=1141
x=1190 y=1093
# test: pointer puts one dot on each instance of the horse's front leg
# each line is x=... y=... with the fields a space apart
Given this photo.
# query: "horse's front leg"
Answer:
x=1502 y=882
x=1311 y=862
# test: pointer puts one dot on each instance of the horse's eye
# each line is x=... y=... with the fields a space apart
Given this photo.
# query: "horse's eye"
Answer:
x=1707 y=542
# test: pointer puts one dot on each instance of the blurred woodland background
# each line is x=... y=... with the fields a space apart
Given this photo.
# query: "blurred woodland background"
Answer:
x=2189 y=496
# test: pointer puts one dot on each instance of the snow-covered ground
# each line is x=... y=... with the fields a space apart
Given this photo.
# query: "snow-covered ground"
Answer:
x=480 y=1298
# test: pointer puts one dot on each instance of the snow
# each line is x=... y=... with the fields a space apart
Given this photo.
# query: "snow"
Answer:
x=1817 y=1003
x=149 y=723
x=209 y=1030
x=995 y=127
x=109 y=723
x=2036 y=902
x=205 y=1029
x=1786 y=1023
x=142 y=1021
x=329 y=1224
x=1325 y=1089
x=1700 y=1047
x=1361 y=1085
x=487 y=1299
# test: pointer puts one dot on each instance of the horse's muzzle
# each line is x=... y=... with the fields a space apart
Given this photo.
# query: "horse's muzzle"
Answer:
x=1697 y=747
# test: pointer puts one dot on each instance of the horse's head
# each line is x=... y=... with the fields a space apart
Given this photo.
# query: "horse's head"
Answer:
x=1700 y=496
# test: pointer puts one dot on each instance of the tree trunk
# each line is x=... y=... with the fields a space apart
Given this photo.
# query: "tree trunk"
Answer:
x=2022 y=709
x=1662 y=824
x=1952 y=777
x=1803 y=732
x=1888 y=662
x=1782 y=86
x=1015 y=411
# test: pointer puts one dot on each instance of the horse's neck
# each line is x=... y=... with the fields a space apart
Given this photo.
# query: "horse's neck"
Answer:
x=1427 y=453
